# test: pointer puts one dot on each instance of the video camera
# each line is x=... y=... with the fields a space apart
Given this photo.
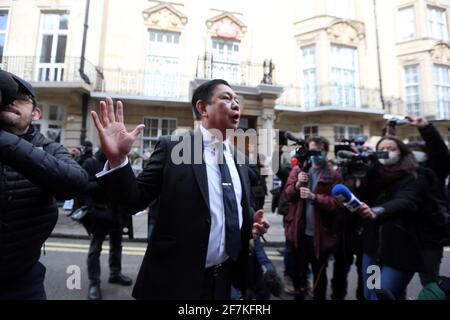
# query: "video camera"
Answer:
x=302 y=153
x=8 y=88
x=356 y=164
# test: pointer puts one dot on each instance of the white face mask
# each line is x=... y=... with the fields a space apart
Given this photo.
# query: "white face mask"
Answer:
x=420 y=156
x=394 y=157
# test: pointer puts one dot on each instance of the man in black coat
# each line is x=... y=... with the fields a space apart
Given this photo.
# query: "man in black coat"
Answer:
x=33 y=172
x=200 y=241
x=106 y=219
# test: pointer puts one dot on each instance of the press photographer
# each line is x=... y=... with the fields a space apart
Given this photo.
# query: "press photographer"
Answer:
x=34 y=171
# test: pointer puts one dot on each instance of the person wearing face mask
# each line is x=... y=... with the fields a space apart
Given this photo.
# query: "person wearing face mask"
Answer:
x=391 y=210
x=312 y=220
x=434 y=215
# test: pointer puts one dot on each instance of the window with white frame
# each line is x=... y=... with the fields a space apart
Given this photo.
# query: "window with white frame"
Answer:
x=344 y=76
x=3 y=27
x=437 y=24
x=154 y=128
x=406 y=23
x=441 y=75
x=341 y=8
x=162 y=66
x=307 y=9
x=51 y=123
x=412 y=90
x=52 y=46
x=226 y=60
x=346 y=132
x=308 y=64
x=310 y=131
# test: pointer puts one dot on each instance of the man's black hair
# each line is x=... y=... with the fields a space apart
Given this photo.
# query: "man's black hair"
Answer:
x=204 y=92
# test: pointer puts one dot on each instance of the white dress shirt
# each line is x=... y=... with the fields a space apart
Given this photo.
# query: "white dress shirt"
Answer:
x=216 y=245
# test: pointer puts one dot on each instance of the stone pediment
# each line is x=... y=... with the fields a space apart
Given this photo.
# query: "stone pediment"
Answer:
x=226 y=25
x=345 y=32
x=440 y=53
x=164 y=17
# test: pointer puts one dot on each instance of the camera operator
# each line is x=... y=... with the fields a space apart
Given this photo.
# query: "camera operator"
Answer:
x=392 y=218
x=312 y=217
x=349 y=247
x=433 y=168
x=34 y=171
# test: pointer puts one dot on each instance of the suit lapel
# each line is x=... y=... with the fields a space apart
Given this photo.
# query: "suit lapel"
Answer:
x=198 y=165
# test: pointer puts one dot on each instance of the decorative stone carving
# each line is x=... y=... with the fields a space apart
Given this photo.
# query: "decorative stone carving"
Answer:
x=345 y=32
x=164 y=17
x=440 y=53
x=226 y=26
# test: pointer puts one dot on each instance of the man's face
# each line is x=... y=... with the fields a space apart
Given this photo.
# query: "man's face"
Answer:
x=223 y=111
x=17 y=116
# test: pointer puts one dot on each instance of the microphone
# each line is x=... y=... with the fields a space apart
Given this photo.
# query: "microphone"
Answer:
x=344 y=195
x=344 y=154
x=288 y=135
x=8 y=88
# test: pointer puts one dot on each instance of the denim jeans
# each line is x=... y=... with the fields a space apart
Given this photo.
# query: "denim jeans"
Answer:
x=391 y=279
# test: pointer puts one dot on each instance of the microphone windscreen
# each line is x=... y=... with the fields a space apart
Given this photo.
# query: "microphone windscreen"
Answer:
x=341 y=190
x=344 y=154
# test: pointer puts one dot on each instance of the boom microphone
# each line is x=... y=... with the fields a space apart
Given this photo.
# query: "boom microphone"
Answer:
x=346 y=197
x=288 y=135
x=344 y=154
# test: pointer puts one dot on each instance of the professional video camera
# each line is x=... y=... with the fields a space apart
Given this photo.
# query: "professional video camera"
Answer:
x=8 y=88
x=356 y=164
x=302 y=153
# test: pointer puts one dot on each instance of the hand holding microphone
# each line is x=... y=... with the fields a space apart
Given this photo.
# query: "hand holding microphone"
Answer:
x=366 y=212
x=305 y=193
x=346 y=197
x=351 y=202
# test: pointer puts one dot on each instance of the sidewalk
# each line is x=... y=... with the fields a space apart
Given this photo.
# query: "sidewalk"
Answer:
x=66 y=228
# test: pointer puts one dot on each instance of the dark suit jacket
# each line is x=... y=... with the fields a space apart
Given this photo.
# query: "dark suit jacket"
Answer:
x=174 y=263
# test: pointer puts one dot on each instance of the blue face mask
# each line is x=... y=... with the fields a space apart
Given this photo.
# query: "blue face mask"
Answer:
x=319 y=160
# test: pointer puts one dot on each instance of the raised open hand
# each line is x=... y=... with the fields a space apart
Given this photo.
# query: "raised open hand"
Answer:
x=115 y=140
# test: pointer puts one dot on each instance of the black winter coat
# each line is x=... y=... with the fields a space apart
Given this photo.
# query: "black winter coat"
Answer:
x=394 y=238
x=438 y=154
x=33 y=172
x=103 y=214
x=173 y=265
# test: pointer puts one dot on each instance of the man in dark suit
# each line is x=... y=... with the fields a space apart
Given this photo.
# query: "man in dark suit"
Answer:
x=199 y=244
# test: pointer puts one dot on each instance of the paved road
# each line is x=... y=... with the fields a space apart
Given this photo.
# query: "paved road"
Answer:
x=61 y=254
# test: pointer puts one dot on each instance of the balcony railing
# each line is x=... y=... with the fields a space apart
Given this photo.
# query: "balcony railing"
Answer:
x=433 y=110
x=236 y=73
x=340 y=96
x=30 y=68
x=155 y=83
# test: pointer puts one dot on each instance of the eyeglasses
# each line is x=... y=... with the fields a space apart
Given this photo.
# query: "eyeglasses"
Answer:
x=23 y=98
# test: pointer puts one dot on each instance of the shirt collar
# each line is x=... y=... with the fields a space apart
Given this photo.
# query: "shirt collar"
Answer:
x=210 y=140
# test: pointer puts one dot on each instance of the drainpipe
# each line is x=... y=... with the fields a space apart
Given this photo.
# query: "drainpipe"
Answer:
x=85 y=98
x=378 y=56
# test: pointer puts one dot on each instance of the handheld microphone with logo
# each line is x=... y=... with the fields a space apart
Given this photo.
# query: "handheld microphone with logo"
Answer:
x=344 y=195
